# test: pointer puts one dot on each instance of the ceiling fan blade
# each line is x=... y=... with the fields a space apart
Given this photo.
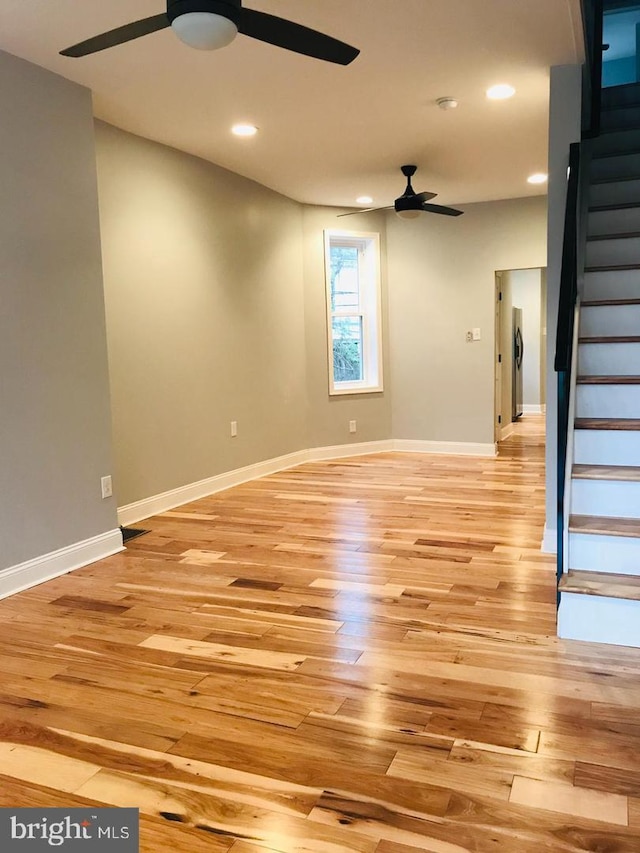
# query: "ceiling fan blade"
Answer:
x=425 y=196
x=445 y=211
x=295 y=37
x=118 y=36
x=365 y=210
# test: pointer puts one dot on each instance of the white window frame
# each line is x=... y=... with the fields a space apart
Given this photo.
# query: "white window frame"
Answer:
x=370 y=290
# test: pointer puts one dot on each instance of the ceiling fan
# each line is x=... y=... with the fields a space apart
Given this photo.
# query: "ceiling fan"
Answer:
x=211 y=24
x=411 y=204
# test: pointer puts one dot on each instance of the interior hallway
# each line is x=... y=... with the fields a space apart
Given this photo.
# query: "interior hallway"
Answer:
x=347 y=656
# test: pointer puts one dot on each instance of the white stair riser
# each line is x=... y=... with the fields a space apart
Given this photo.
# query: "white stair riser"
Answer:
x=608 y=320
x=614 y=192
x=608 y=401
x=619 y=221
x=606 y=447
x=601 y=253
x=613 y=143
x=617 y=555
x=609 y=359
x=612 y=284
x=624 y=165
x=597 y=619
x=605 y=497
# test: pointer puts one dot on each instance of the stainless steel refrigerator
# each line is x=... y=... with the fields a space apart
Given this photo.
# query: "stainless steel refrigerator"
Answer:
x=518 y=355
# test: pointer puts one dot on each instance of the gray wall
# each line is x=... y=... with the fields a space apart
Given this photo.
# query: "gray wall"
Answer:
x=205 y=307
x=55 y=441
x=329 y=416
x=564 y=128
x=442 y=284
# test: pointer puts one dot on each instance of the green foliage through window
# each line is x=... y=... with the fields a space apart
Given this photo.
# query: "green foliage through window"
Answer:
x=347 y=349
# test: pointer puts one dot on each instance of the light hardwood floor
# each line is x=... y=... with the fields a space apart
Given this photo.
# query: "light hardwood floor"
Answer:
x=347 y=657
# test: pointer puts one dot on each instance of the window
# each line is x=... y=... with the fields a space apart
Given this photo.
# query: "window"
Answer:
x=352 y=266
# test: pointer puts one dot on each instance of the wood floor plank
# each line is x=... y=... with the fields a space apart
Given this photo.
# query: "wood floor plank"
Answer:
x=614 y=780
x=214 y=651
x=356 y=656
x=221 y=816
x=570 y=800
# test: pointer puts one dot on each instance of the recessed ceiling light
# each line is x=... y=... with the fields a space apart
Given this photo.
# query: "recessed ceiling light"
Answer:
x=500 y=92
x=538 y=178
x=364 y=199
x=244 y=130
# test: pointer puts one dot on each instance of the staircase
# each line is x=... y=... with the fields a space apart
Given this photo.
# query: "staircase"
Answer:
x=600 y=593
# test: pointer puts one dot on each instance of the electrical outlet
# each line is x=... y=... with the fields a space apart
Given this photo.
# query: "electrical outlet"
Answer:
x=234 y=429
x=353 y=426
x=107 y=487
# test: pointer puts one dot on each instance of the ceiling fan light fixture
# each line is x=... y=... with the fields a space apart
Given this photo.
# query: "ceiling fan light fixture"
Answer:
x=204 y=30
x=409 y=214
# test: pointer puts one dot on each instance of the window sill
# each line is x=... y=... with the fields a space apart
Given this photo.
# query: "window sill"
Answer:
x=355 y=389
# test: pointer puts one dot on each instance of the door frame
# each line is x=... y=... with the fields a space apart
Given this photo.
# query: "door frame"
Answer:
x=498 y=361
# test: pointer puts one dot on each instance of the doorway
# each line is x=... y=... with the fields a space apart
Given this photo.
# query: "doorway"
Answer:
x=520 y=347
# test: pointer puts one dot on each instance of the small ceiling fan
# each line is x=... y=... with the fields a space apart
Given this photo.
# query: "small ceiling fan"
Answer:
x=411 y=204
x=211 y=24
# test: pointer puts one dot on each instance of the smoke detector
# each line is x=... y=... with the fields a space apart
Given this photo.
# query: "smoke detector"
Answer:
x=447 y=103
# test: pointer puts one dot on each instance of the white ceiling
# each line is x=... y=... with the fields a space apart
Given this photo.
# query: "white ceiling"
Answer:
x=331 y=133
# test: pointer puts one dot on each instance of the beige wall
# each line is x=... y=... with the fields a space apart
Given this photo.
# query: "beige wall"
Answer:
x=205 y=308
x=442 y=284
x=55 y=441
x=216 y=310
x=329 y=416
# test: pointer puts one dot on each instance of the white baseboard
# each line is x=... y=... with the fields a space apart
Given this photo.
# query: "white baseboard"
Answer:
x=48 y=566
x=203 y=488
x=343 y=451
x=531 y=409
x=549 y=541
x=448 y=448
x=166 y=501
